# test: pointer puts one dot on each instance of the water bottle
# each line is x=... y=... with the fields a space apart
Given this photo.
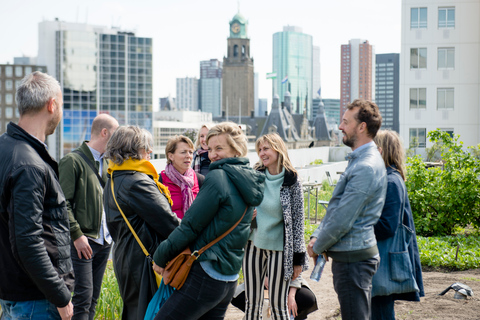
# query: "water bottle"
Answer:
x=317 y=271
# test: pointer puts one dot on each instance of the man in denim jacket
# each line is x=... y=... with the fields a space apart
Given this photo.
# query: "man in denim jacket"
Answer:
x=346 y=233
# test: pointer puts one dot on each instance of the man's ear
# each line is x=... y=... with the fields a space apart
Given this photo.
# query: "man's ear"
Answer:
x=51 y=106
x=104 y=132
x=363 y=127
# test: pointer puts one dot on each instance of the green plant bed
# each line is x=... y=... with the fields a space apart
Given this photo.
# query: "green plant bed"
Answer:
x=110 y=303
x=439 y=253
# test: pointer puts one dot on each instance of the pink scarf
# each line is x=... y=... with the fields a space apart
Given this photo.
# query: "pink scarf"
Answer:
x=184 y=181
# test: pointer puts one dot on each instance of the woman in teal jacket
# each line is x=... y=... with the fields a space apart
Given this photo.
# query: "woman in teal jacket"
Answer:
x=230 y=187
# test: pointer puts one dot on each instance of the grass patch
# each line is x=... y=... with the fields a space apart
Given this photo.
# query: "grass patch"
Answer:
x=110 y=303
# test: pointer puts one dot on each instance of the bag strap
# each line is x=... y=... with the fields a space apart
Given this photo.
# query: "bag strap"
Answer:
x=129 y=225
x=91 y=165
x=197 y=253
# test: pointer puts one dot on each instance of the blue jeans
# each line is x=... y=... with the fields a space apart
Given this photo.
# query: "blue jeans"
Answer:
x=88 y=279
x=353 y=284
x=33 y=309
x=201 y=297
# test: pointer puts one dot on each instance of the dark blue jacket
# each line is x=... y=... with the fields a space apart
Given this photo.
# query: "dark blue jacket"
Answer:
x=387 y=224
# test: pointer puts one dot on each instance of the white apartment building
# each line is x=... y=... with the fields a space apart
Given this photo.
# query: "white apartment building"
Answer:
x=440 y=70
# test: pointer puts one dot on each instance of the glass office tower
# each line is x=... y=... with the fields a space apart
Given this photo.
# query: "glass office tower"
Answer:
x=101 y=70
x=292 y=62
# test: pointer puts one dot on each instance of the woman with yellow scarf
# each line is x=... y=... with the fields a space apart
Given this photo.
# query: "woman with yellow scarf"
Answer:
x=139 y=198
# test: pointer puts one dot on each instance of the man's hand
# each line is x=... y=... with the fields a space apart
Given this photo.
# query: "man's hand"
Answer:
x=66 y=312
x=158 y=269
x=310 y=248
x=292 y=304
x=83 y=248
x=296 y=272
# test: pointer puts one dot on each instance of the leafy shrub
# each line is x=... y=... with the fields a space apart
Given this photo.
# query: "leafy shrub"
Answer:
x=316 y=162
x=191 y=134
x=444 y=198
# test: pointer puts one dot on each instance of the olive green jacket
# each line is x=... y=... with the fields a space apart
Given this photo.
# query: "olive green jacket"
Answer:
x=83 y=192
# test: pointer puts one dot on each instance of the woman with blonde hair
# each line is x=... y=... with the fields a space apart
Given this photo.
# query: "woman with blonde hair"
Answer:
x=178 y=176
x=230 y=191
x=201 y=162
x=146 y=204
x=396 y=204
x=276 y=247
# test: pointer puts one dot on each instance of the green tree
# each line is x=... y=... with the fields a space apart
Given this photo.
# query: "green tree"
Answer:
x=444 y=198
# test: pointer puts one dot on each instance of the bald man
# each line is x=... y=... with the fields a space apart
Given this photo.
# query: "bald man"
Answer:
x=83 y=174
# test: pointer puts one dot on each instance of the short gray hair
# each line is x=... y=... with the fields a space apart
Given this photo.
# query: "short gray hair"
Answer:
x=127 y=142
x=35 y=90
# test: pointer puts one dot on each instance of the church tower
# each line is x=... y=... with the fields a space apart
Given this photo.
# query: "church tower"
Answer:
x=237 y=83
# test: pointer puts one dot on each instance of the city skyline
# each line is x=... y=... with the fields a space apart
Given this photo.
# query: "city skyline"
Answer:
x=201 y=30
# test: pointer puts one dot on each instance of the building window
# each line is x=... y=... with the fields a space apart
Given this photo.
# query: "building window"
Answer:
x=449 y=131
x=8 y=112
x=418 y=98
x=446 y=58
x=446 y=17
x=8 y=71
x=445 y=98
x=418 y=18
x=18 y=71
x=417 y=138
x=418 y=58
x=28 y=70
x=8 y=85
x=8 y=98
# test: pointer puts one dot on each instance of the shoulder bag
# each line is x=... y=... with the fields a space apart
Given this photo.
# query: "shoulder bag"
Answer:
x=158 y=277
x=176 y=271
x=395 y=272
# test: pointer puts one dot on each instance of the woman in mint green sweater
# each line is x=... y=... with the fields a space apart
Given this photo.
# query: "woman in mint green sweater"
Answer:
x=276 y=246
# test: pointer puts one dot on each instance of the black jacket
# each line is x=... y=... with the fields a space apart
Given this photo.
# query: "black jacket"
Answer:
x=34 y=229
x=151 y=216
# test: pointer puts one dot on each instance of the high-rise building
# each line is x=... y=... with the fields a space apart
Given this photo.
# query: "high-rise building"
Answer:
x=187 y=94
x=10 y=78
x=101 y=70
x=293 y=63
x=316 y=84
x=256 y=86
x=238 y=83
x=211 y=87
x=387 y=78
x=262 y=107
x=357 y=72
x=332 y=112
x=440 y=74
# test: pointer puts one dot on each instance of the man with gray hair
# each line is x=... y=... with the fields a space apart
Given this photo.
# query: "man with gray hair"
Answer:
x=83 y=174
x=37 y=275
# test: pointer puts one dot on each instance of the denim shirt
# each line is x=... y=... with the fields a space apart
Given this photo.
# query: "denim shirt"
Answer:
x=356 y=204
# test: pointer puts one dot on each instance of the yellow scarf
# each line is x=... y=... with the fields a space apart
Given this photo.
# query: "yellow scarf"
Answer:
x=143 y=166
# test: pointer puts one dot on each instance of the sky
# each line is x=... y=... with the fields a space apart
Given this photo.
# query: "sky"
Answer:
x=186 y=32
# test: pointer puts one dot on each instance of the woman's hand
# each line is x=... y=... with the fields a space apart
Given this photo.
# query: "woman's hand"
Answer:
x=296 y=272
x=292 y=304
x=158 y=269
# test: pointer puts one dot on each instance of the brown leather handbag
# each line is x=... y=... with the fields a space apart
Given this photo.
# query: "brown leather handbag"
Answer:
x=176 y=271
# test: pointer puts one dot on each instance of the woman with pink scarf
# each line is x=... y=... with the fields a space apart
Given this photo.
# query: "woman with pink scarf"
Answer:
x=178 y=176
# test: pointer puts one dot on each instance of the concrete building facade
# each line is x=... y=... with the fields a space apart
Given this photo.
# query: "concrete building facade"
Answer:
x=210 y=86
x=440 y=70
x=187 y=94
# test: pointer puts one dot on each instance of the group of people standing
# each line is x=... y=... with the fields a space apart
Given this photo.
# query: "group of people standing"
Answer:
x=61 y=221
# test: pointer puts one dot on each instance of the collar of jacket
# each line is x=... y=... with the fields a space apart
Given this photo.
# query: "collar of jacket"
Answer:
x=235 y=161
x=86 y=151
x=353 y=155
x=289 y=178
x=18 y=133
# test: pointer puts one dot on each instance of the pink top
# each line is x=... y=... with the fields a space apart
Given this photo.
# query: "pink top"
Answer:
x=176 y=193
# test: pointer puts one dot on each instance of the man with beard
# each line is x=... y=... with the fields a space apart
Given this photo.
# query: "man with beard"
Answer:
x=346 y=233
x=36 y=275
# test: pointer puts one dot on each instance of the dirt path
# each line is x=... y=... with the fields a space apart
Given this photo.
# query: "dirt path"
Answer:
x=432 y=306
